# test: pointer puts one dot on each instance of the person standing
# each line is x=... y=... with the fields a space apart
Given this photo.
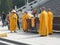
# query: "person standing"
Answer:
x=50 y=21
x=3 y=17
x=18 y=23
x=7 y=19
x=43 y=27
x=13 y=21
x=34 y=11
x=33 y=23
x=24 y=22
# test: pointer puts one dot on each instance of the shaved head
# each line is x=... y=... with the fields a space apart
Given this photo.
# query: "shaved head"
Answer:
x=49 y=9
x=43 y=8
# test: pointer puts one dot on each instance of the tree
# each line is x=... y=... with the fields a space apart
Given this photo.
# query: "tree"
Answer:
x=6 y=6
x=18 y=3
x=30 y=1
x=0 y=6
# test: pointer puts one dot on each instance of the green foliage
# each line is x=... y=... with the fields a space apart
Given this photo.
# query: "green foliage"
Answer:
x=30 y=1
x=18 y=3
x=6 y=6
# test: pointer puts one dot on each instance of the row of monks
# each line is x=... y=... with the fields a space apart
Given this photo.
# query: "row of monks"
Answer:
x=45 y=22
x=45 y=19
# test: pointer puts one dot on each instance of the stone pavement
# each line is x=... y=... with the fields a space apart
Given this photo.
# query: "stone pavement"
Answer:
x=26 y=38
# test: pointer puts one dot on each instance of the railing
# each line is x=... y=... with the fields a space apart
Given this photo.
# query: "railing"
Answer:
x=34 y=4
x=23 y=7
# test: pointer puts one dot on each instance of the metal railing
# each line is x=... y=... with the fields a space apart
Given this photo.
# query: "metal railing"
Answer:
x=34 y=4
x=23 y=7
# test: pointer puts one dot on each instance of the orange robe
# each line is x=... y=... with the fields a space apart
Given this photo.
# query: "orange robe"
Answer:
x=43 y=28
x=13 y=21
x=32 y=22
x=50 y=21
x=24 y=22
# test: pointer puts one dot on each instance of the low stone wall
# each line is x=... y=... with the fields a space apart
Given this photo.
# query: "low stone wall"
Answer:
x=56 y=23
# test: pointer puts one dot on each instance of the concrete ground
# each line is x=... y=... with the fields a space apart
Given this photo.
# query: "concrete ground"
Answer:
x=26 y=38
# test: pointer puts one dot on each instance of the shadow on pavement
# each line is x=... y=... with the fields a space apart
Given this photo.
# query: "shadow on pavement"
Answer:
x=13 y=42
x=55 y=34
x=3 y=43
x=32 y=37
x=26 y=33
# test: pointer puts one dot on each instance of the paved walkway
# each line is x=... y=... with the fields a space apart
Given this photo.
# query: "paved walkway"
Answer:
x=24 y=38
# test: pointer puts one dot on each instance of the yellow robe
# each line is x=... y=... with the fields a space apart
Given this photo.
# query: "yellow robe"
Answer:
x=43 y=28
x=32 y=22
x=13 y=21
x=24 y=22
x=50 y=21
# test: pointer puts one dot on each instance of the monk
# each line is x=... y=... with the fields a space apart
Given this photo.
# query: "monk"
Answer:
x=13 y=21
x=24 y=22
x=43 y=27
x=32 y=23
x=50 y=21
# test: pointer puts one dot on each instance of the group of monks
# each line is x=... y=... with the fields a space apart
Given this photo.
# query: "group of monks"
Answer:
x=45 y=22
x=45 y=19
